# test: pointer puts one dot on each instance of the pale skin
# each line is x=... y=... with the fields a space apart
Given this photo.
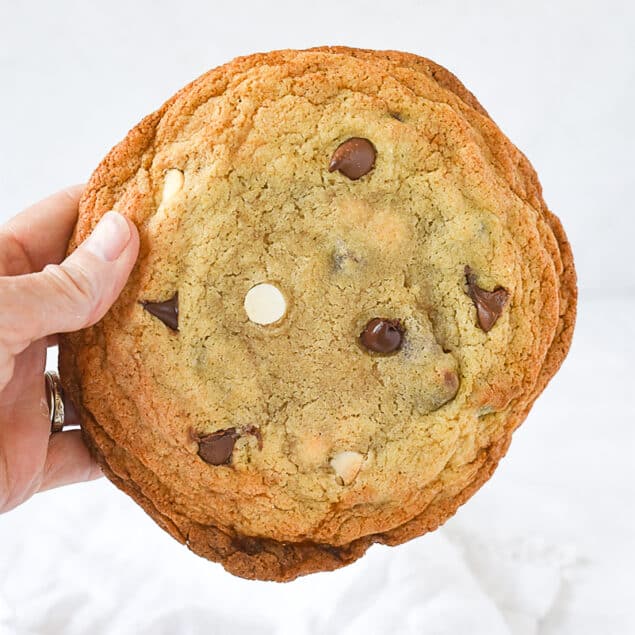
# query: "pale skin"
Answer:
x=42 y=293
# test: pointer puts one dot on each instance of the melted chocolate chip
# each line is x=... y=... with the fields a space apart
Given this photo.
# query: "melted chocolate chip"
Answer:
x=382 y=335
x=166 y=311
x=489 y=304
x=216 y=448
x=353 y=158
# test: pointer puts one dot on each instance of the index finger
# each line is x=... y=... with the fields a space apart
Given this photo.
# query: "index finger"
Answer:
x=39 y=235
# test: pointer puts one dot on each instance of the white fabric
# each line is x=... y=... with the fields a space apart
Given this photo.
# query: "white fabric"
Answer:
x=109 y=581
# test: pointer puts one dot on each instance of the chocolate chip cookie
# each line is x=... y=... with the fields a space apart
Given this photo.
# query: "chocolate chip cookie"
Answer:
x=349 y=293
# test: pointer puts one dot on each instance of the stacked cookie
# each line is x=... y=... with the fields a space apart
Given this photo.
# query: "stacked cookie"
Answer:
x=349 y=293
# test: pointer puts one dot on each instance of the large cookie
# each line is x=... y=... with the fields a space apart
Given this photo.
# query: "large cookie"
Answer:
x=349 y=293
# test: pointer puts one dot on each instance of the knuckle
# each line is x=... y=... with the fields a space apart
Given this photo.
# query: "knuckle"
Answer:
x=14 y=258
x=77 y=291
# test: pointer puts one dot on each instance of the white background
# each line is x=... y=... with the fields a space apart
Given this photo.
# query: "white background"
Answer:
x=548 y=545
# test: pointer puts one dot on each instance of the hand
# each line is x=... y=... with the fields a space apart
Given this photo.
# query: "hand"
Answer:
x=39 y=298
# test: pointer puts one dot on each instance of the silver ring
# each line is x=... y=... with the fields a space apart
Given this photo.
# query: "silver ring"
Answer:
x=55 y=395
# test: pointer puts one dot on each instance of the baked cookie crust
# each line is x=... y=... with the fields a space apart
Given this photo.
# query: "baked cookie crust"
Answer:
x=328 y=446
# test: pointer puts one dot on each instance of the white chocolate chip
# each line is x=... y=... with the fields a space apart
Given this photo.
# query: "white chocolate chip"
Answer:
x=265 y=304
x=172 y=184
x=347 y=465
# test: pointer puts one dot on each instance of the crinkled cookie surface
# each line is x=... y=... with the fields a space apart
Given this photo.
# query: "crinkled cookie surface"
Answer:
x=348 y=295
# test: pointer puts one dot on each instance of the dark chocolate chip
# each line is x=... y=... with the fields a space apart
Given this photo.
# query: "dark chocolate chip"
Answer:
x=166 y=311
x=396 y=115
x=382 y=335
x=353 y=158
x=216 y=448
x=489 y=304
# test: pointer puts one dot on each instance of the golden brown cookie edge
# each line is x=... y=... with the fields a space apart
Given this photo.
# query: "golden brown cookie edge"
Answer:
x=269 y=559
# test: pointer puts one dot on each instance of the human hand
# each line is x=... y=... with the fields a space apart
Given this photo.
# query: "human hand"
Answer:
x=38 y=299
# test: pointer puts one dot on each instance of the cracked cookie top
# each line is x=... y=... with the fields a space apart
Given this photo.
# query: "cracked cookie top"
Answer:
x=347 y=294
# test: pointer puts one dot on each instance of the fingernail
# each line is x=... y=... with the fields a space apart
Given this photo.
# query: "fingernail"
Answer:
x=109 y=238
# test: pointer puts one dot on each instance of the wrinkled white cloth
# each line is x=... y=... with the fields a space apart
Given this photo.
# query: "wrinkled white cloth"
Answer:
x=93 y=563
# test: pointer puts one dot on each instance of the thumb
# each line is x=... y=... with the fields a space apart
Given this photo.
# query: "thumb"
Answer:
x=74 y=294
